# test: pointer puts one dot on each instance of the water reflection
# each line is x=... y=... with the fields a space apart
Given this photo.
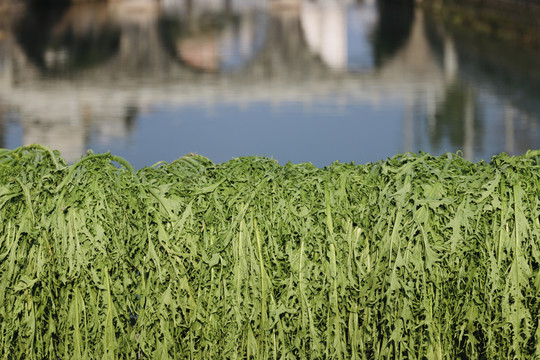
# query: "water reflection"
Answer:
x=330 y=80
x=395 y=23
x=65 y=40
x=501 y=82
x=212 y=40
x=457 y=119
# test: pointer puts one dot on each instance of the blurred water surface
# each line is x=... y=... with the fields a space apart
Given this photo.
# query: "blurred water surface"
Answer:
x=299 y=81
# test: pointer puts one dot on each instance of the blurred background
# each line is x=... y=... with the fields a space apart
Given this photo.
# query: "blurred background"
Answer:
x=296 y=80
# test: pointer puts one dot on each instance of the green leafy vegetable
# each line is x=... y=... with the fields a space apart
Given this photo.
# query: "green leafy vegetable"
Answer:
x=414 y=257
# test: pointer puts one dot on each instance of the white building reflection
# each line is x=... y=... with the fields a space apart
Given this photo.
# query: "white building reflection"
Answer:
x=324 y=28
x=340 y=33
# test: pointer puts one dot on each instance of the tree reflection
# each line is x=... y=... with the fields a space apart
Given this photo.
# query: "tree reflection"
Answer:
x=504 y=70
x=57 y=40
x=457 y=119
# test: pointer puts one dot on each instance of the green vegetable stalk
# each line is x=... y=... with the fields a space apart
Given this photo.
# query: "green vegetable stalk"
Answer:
x=414 y=257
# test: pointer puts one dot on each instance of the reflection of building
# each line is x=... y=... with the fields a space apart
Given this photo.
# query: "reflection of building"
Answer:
x=339 y=33
x=324 y=27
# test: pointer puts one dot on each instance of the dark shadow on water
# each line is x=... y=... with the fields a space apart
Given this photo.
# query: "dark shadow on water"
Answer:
x=395 y=21
x=56 y=45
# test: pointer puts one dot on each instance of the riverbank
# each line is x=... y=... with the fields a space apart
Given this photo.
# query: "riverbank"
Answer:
x=512 y=21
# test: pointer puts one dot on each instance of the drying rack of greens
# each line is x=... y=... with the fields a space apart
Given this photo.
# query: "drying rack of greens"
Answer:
x=414 y=257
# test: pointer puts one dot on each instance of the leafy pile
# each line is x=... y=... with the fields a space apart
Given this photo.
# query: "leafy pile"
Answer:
x=415 y=257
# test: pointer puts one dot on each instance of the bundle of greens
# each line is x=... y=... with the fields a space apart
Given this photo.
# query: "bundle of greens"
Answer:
x=415 y=257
